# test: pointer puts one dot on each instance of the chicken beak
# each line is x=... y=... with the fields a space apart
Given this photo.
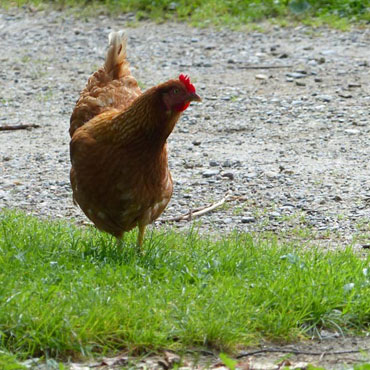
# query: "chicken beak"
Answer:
x=194 y=97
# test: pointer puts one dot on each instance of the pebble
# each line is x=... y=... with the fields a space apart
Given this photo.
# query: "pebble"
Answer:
x=210 y=173
x=261 y=77
x=229 y=175
x=283 y=56
x=296 y=75
x=325 y=98
x=345 y=95
x=271 y=175
x=227 y=163
x=247 y=220
x=250 y=175
x=352 y=131
x=274 y=215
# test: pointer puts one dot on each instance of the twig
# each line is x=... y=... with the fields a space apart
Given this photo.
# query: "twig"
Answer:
x=297 y=352
x=18 y=127
x=199 y=211
x=265 y=67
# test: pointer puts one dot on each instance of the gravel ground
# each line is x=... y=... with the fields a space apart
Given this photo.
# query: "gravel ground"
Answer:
x=291 y=143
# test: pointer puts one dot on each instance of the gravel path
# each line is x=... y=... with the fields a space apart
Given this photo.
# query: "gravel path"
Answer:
x=291 y=142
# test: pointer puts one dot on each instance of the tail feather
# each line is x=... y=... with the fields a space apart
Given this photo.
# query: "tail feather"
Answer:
x=116 y=64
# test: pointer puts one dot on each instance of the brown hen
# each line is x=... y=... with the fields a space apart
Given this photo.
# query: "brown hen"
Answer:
x=120 y=176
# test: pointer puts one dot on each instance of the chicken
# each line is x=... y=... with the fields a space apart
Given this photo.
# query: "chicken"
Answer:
x=119 y=175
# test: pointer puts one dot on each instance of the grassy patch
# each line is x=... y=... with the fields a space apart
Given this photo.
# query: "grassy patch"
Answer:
x=232 y=13
x=72 y=292
x=9 y=362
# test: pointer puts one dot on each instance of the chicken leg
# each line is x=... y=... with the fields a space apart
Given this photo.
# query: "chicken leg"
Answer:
x=140 y=236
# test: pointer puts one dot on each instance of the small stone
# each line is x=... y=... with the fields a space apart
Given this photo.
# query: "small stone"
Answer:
x=354 y=85
x=299 y=366
x=300 y=83
x=210 y=173
x=326 y=98
x=196 y=142
x=352 y=131
x=283 y=56
x=271 y=175
x=274 y=214
x=248 y=219
x=227 y=163
x=213 y=163
x=321 y=60
x=261 y=77
x=327 y=52
x=228 y=175
x=296 y=75
x=345 y=95
x=318 y=79
x=297 y=102
x=337 y=198
x=312 y=62
x=287 y=208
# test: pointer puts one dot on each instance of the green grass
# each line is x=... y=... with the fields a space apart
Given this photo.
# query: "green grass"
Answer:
x=232 y=13
x=67 y=291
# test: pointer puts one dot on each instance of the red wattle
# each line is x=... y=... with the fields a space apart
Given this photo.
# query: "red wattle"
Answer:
x=181 y=108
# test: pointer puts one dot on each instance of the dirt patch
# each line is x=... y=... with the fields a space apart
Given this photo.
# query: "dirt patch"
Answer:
x=332 y=353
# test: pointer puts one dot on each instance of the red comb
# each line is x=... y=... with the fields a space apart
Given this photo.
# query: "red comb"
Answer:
x=186 y=81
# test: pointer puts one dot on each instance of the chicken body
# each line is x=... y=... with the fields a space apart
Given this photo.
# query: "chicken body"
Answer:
x=120 y=176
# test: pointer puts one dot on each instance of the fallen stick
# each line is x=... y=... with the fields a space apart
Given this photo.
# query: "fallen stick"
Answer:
x=18 y=127
x=297 y=352
x=198 y=211
x=265 y=67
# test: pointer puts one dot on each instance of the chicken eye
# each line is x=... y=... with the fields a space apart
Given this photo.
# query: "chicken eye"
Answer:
x=175 y=91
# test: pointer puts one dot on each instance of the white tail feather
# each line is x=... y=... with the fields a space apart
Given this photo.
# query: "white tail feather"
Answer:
x=116 y=63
